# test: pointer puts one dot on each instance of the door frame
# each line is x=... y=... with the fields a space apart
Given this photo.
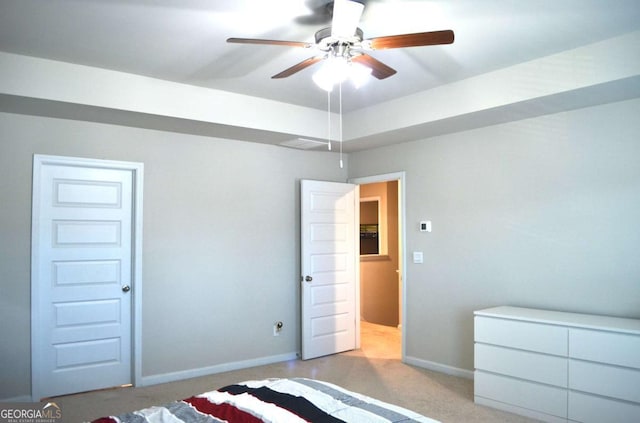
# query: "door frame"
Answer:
x=137 y=172
x=402 y=230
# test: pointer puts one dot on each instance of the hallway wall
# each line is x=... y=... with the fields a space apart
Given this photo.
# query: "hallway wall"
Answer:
x=379 y=291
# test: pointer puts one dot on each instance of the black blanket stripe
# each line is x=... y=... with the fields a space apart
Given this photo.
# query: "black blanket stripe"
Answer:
x=297 y=405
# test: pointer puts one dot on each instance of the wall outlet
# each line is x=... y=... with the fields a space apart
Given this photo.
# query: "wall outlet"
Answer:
x=277 y=328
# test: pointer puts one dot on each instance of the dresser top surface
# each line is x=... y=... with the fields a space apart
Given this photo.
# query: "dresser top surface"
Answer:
x=587 y=321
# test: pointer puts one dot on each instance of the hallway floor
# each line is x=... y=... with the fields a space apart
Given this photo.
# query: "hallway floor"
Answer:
x=379 y=341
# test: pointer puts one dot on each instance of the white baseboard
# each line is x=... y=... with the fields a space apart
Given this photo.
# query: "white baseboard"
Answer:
x=543 y=417
x=438 y=367
x=21 y=398
x=219 y=368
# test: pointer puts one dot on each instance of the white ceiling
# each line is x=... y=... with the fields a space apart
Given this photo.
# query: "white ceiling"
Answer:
x=184 y=41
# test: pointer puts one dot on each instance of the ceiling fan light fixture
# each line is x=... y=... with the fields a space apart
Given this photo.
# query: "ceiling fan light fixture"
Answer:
x=333 y=71
x=322 y=82
x=359 y=74
x=336 y=70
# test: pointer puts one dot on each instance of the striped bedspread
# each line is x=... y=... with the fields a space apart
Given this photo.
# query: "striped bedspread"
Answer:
x=274 y=400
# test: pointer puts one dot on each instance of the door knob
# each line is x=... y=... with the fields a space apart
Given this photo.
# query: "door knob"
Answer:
x=126 y=288
x=308 y=278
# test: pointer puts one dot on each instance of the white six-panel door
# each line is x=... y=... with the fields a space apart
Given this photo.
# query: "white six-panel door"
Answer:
x=329 y=260
x=82 y=276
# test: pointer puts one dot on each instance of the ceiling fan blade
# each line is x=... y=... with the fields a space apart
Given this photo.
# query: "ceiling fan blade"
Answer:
x=346 y=15
x=269 y=42
x=298 y=67
x=411 y=40
x=378 y=69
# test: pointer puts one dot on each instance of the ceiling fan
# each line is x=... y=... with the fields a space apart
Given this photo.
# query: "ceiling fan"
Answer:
x=343 y=39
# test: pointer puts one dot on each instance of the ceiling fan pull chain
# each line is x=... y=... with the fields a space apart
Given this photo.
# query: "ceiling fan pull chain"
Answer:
x=329 y=120
x=340 y=117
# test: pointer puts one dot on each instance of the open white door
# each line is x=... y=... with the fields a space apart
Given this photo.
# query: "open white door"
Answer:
x=330 y=253
x=85 y=270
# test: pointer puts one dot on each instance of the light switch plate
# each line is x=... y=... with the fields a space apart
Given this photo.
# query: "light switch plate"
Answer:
x=418 y=257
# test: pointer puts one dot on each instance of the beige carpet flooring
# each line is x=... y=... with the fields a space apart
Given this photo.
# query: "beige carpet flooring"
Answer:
x=375 y=370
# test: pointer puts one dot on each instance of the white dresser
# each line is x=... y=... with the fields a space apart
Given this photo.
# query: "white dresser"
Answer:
x=556 y=366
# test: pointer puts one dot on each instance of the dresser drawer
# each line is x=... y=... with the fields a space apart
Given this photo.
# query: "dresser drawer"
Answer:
x=521 y=335
x=521 y=364
x=605 y=347
x=610 y=381
x=592 y=409
x=533 y=396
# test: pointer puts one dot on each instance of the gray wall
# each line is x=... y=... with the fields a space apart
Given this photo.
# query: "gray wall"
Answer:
x=540 y=213
x=543 y=212
x=221 y=247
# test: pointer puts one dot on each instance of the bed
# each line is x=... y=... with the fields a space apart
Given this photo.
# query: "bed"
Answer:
x=274 y=400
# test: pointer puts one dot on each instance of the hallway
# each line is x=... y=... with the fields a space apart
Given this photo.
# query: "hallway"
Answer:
x=379 y=341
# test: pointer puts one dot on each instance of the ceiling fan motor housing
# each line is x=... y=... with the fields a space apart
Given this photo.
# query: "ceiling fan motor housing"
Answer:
x=337 y=46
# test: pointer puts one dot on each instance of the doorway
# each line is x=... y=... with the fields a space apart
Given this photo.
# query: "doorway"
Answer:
x=86 y=274
x=382 y=262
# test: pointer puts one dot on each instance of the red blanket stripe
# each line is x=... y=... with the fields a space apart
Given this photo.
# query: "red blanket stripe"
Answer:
x=226 y=412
